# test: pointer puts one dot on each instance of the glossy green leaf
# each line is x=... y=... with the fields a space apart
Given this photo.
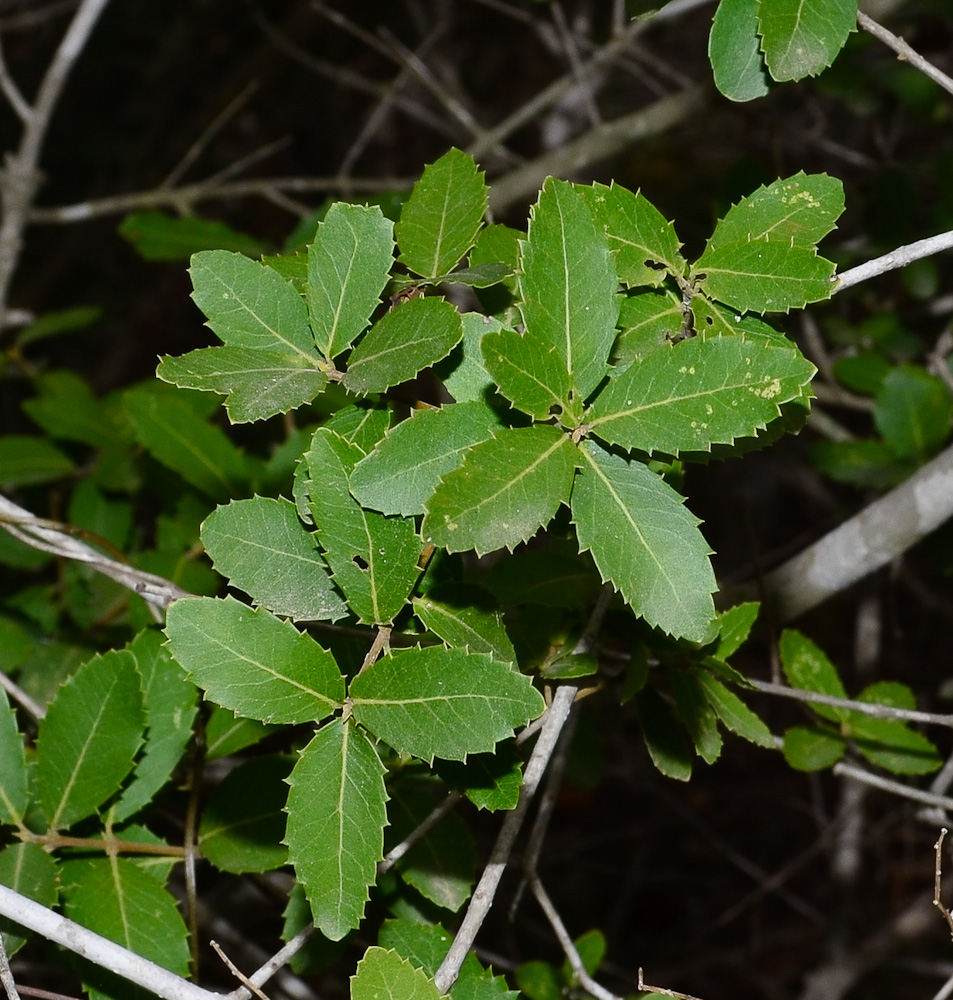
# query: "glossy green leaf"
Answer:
x=243 y=823
x=438 y=702
x=764 y=276
x=88 y=740
x=913 y=412
x=797 y=211
x=734 y=713
x=25 y=461
x=373 y=558
x=170 y=702
x=252 y=662
x=336 y=819
x=157 y=236
x=409 y=338
x=649 y=320
x=384 y=974
x=489 y=780
x=644 y=242
x=440 y=221
x=696 y=714
x=712 y=320
x=505 y=490
x=811 y=748
x=734 y=51
x=530 y=373
x=29 y=870
x=348 y=265
x=664 y=739
x=568 y=284
x=807 y=667
x=458 y=614
x=257 y=382
x=645 y=542
x=698 y=393
x=263 y=549
x=402 y=472
x=14 y=797
x=802 y=37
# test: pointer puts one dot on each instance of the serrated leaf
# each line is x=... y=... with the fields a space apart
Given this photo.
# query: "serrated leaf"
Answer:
x=261 y=547
x=441 y=219
x=256 y=383
x=469 y=381
x=645 y=244
x=402 y=472
x=734 y=51
x=348 y=265
x=30 y=871
x=360 y=425
x=14 y=797
x=505 y=490
x=157 y=236
x=568 y=284
x=696 y=714
x=199 y=452
x=712 y=319
x=796 y=211
x=698 y=393
x=807 y=667
x=437 y=702
x=336 y=819
x=227 y=733
x=664 y=739
x=645 y=542
x=802 y=37
x=810 y=748
x=735 y=626
x=457 y=613
x=424 y=945
x=170 y=702
x=243 y=822
x=913 y=412
x=87 y=741
x=489 y=780
x=530 y=374
x=763 y=276
x=477 y=276
x=373 y=557
x=734 y=713
x=384 y=974
x=252 y=662
x=409 y=338
x=649 y=321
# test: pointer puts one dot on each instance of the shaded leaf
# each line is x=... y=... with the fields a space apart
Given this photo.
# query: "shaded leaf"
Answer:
x=14 y=797
x=30 y=871
x=489 y=780
x=664 y=739
x=734 y=713
x=913 y=412
x=734 y=50
x=157 y=236
x=696 y=714
x=551 y=578
x=25 y=461
x=802 y=37
x=735 y=626
x=530 y=374
x=711 y=319
x=807 y=667
x=227 y=733
x=457 y=613
x=649 y=320
x=811 y=748
x=470 y=381
x=66 y=408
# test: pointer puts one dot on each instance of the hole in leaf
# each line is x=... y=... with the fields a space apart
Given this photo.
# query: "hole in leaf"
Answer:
x=361 y=562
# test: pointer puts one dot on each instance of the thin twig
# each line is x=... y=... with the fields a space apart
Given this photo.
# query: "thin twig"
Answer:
x=896 y=258
x=6 y=974
x=894 y=787
x=21 y=697
x=904 y=51
x=233 y=969
x=938 y=881
x=645 y=988
x=420 y=831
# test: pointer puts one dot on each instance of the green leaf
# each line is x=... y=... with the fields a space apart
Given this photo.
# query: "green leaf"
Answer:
x=441 y=219
x=645 y=542
x=550 y=578
x=489 y=780
x=336 y=819
x=696 y=714
x=868 y=465
x=457 y=613
x=424 y=945
x=30 y=871
x=664 y=738
x=734 y=713
x=226 y=733
x=14 y=797
x=157 y=236
x=863 y=372
x=243 y=823
x=118 y=899
x=712 y=320
x=25 y=461
x=644 y=242
x=734 y=51
x=437 y=702
x=568 y=284
x=649 y=321
x=591 y=948
x=797 y=211
x=539 y=981
x=170 y=702
x=257 y=382
x=806 y=667
x=382 y=973
x=506 y=489
x=890 y=743
x=802 y=37
x=252 y=662
x=66 y=408
x=373 y=557
x=402 y=472
x=913 y=412
x=470 y=382
x=178 y=438
x=263 y=549
x=764 y=276
x=348 y=265
x=409 y=338
x=735 y=626
x=88 y=740
x=530 y=373
x=698 y=393
x=478 y=276
x=51 y=324
x=811 y=748
x=362 y=426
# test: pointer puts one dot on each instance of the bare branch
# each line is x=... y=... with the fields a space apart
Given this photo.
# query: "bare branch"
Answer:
x=896 y=258
x=904 y=52
x=6 y=974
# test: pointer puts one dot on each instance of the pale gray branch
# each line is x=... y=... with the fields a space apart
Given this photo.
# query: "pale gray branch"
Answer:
x=904 y=51
x=896 y=258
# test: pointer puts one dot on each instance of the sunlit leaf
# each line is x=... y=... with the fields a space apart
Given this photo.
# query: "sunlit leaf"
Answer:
x=802 y=37
x=382 y=973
